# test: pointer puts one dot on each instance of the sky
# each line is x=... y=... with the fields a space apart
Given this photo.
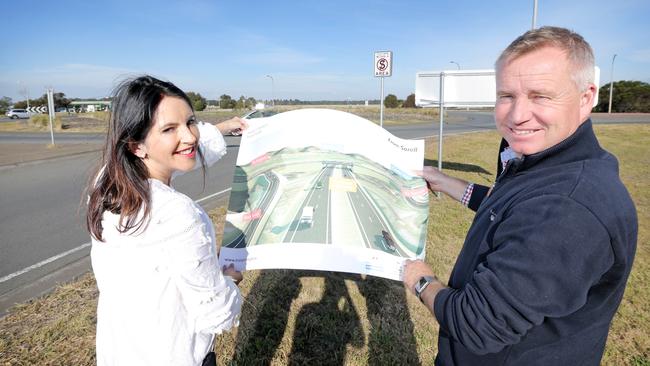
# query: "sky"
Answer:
x=312 y=50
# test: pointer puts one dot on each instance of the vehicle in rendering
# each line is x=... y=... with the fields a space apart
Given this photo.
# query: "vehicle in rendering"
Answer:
x=307 y=216
x=389 y=242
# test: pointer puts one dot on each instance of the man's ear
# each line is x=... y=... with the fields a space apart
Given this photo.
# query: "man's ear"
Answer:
x=138 y=149
x=587 y=101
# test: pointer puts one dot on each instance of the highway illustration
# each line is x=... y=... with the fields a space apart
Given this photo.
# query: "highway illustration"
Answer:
x=311 y=195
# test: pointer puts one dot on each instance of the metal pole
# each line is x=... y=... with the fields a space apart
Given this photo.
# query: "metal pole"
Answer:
x=50 y=111
x=534 y=15
x=441 y=121
x=24 y=91
x=457 y=64
x=272 y=90
x=611 y=86
x=381 y=104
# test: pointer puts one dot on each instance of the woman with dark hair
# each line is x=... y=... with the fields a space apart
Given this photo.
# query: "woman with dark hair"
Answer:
x=162 y=296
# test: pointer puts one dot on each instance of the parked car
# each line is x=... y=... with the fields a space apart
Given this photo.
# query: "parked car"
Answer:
x=255 y=113
x=17 y=113
x=258 y=113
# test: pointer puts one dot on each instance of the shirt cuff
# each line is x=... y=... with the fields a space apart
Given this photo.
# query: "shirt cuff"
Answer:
x=478 y=195
x=464 y=200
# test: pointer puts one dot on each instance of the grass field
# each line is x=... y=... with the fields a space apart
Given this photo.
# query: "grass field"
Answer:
x=97 y=121
x=306 y=317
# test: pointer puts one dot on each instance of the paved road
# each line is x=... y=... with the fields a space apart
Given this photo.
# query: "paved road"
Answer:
x=41 y=218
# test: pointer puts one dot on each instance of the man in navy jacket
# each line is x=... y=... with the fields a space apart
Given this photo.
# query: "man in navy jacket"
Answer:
x=544 y=264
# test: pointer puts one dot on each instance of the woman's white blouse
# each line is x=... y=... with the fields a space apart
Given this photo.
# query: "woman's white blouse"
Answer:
x=162 y=295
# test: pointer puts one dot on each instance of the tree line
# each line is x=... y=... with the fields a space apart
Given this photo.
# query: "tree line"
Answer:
x=629 y=96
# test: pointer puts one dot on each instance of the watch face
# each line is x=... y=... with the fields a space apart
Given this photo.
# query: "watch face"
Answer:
x=422 y=284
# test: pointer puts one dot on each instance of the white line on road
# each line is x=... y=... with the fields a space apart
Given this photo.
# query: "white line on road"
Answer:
x=42 y=263
x=82 y=246
x=212 y=195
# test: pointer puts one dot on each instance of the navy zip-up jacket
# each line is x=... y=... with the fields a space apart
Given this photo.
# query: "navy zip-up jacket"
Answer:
x=544 y=264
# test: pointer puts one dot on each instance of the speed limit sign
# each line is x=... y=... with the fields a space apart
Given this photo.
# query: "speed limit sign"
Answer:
x=383 y=63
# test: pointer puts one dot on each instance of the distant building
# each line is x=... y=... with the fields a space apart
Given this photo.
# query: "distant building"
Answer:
x=90 y=105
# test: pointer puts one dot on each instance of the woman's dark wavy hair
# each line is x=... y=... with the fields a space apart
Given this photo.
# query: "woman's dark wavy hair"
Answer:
x=120 y=185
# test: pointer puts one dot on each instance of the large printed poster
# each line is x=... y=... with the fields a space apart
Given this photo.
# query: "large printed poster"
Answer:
x=323 y=189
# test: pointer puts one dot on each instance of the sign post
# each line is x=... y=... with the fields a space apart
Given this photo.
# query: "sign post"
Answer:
x=50 y=111
x=383 y=68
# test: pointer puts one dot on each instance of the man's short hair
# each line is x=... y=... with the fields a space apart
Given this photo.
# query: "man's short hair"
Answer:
x=577 y=50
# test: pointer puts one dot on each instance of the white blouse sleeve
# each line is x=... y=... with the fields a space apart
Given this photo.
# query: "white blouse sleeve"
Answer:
x=211 y=143
x=211 y=299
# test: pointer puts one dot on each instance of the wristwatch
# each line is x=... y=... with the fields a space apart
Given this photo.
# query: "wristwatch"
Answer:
x=422 y=284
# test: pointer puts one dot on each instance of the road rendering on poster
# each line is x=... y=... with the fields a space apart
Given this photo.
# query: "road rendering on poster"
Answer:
x=323 y=189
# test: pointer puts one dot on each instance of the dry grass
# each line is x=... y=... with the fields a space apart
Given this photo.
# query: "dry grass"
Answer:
x=392 y=116
x=306 y=317
x=63 y=122
x=98 y=121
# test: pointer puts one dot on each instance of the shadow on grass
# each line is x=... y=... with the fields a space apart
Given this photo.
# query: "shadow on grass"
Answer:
x=325 y=329
x=461 y=167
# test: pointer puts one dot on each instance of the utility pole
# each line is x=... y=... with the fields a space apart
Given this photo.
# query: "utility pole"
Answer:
x=272 y=89
x=611 y=86
x=24 y=91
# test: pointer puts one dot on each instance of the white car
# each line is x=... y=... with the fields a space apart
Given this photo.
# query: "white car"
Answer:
x=255 y=113
x=258 y=113
x=18 y=113
x=307 y=216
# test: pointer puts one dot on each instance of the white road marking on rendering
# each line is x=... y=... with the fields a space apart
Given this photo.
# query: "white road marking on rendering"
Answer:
x=327 y=223
x=82 y=246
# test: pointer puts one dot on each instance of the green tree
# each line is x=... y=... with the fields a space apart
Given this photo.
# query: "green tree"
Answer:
x=59 y=101
x=198 y=102
x=391 y=101
x=23 y=104
x=250 y=102
x=628 y=96
x=226 y=102
x=5 y=103
x=241 y=102
x=409 y=102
